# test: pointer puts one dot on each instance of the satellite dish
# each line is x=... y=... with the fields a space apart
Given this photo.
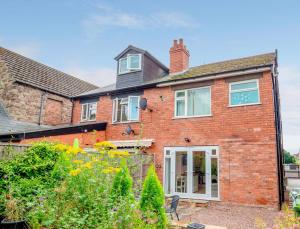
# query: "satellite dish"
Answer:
x=129 y=130
x=143 y=103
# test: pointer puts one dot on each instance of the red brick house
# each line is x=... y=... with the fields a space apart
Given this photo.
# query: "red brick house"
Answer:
x=215 y=129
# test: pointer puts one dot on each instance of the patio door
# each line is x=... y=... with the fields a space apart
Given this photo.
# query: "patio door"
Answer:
x=192 y=172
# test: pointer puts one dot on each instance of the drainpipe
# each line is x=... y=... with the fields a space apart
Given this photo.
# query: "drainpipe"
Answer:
x=42 y=107
x=278 y=127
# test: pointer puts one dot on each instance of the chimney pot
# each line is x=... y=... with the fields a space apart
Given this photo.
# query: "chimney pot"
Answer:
x=179 y=57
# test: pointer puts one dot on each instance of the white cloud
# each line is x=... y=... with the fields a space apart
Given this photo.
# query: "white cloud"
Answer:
x=289 y=84
x=108 y=17
x=99 y=76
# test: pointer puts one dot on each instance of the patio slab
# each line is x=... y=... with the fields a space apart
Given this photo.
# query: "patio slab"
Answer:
x=226 y=216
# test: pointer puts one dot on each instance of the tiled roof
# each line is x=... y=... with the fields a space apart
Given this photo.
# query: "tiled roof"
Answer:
x=226 y=66
x=41 y=76
x=8 y=125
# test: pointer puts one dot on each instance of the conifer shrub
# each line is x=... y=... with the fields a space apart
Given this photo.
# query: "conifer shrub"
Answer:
x=152 y=200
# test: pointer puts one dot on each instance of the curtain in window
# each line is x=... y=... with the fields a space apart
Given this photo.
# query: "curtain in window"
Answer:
x=198 y=102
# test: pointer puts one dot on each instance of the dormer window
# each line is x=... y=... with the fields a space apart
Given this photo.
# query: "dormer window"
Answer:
x=130 y=63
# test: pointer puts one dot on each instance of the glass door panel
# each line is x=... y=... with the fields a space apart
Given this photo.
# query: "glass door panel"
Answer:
x=181 y=173
x=214 y=177
x=199 y=172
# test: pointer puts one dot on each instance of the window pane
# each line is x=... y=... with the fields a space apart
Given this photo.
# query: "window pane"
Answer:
x=180 y=94
x=134 y=112
x=199 y=172
x=92 y=111
x=244 y=97
x=180 y=108
x=181 y=172
x=134 y=62
x=167 y=175
x=123 y=65
x=84 y=112
x=124 y=113
x=242 y=86
x=199 y=102
x=119 y=111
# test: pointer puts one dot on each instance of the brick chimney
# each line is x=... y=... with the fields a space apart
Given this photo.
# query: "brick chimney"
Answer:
x=179 y=57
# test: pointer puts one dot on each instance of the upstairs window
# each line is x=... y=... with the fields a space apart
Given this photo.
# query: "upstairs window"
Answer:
x=244 y=93
x=126 y=109
x=193 y=102
x=88 y=111
x=130 y=63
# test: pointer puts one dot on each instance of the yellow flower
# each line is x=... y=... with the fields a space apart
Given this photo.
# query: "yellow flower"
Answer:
x=117 y=153
x=78 y=161
x=105 y=145
x=88 y=165
x=61 y=147
x=75 y=172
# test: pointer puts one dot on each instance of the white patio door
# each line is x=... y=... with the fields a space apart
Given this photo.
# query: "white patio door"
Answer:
x=192 y=172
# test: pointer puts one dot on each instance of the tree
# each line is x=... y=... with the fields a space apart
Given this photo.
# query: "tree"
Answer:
x=289 y=158
x=153 y=200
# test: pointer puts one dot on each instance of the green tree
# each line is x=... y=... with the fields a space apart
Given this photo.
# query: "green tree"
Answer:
x=122 y=184
x=289 y=158
x=152 y=200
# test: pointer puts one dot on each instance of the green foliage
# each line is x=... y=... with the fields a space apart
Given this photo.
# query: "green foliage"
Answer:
x=152 y=200
x=289 y=158
x=122 y=184
x=27 y=175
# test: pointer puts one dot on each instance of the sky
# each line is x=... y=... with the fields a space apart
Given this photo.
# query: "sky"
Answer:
x=82 y=37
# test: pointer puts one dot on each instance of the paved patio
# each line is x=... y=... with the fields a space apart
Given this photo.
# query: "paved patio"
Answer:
x=225 y=215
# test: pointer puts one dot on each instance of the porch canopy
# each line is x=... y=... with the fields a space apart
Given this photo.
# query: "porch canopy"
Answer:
x=133 y=143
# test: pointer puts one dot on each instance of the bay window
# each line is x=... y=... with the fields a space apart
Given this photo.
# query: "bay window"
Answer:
x=126 y=109
x=193 y=102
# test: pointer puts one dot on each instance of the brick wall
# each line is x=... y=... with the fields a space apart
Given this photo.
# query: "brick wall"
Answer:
x=23 y=102
x=245 y=135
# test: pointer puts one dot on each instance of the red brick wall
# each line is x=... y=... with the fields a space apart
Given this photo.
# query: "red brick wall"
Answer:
x=85 y=139
x=179 y=57
x=245 y=135
x=53 y=112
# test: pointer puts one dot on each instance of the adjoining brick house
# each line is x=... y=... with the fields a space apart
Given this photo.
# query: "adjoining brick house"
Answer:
x=215 y=129
x=34 y=94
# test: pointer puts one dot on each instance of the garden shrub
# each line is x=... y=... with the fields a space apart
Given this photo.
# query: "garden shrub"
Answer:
x=152 y=200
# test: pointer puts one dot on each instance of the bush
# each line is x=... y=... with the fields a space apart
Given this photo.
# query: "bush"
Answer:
x=152 y=200
x=27 y=175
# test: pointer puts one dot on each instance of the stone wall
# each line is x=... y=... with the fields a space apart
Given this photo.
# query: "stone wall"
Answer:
x=26 y=103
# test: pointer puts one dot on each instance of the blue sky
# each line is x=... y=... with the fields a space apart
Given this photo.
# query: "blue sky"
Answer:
x=83 y=37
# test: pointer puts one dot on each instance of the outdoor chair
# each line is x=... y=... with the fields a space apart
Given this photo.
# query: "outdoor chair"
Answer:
x=173 y=206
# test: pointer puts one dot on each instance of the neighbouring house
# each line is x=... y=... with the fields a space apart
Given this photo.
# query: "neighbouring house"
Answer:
x=214 y=129
x=34 y=94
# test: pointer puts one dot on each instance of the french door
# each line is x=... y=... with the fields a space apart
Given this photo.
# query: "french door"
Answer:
x=192 y=172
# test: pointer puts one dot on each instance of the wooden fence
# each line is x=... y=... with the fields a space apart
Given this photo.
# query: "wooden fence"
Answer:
x=8 y=150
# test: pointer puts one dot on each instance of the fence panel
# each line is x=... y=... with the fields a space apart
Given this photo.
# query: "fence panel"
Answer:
x=8 y=150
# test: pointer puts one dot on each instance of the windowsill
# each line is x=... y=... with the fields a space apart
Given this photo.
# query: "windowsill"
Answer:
x=242 y=105
x=83 y=121
x=128 y=122
x=123 y=73
x=199 y=116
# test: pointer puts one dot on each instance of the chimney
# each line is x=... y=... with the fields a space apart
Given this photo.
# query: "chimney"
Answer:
x=179 y=57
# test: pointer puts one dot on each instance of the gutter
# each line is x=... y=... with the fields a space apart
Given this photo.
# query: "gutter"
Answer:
x=212 y=77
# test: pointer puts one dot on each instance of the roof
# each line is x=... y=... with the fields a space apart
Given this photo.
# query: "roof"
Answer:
x=131 y=47
x=10 y=126
x=38 y=75
x=251 y=62
x=226 y=66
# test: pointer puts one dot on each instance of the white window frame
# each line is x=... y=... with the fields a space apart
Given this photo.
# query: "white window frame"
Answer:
x=115 y=110
x=130 y=69
x=185 y=98
x=87 y=114
x=243 y=90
